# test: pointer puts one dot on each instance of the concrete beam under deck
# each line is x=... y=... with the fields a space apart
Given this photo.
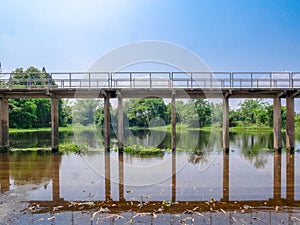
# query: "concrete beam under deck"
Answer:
x=142 y=93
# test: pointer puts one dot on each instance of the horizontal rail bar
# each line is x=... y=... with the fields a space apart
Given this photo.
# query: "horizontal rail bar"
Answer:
x=137 y=79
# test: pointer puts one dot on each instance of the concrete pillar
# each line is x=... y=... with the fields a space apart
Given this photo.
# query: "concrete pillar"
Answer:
x=173 y=121
x=290 y=128
x=121 y=177
x=290 y=175
x=173 y=176
x=106 y=122
x=54 y=124
x=277 y=175
x=107 y=175
x=55 y=177
x=277 y=124
x=225 y=124
x=4 y=123
x=225 y=177
x=120 y=123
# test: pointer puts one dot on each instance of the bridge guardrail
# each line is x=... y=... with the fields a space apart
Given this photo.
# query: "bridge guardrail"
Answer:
x=203 y=80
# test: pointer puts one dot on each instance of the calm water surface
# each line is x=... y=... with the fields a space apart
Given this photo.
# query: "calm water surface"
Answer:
x=198 y=180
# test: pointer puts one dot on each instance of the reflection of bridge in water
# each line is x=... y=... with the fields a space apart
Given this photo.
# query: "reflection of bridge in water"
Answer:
x=225 y=85
x=145 y=206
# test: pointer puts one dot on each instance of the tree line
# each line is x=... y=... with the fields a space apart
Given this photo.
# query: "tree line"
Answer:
x=35 y=113
x=193 y=113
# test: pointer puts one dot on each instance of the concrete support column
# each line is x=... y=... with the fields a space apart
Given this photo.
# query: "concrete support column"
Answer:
x=290 y=128
x=173 y=121
x=120 y=123
x=4 y=123
x=54 y=124
x=290 y=175
x=106 y=122
x=277 y=124
x=277 y=175
x=225 y=177
x=225 y=124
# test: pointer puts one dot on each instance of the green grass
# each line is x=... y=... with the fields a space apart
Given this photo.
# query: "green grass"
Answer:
x=143 y=150
x=71 y=147
x=184 y=127
x=64 y=129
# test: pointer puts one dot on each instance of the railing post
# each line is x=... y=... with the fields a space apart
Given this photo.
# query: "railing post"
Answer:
x=251 y=79
x=70 y=79
x=111 y=80
x=191 y=80
x=89 y=80
x=210 y=80
x=10 y=80
x=108 y=80
x=130 y=79
x=150 y=80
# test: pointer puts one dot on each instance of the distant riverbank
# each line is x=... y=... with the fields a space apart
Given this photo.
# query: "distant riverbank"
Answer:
x=181 y=127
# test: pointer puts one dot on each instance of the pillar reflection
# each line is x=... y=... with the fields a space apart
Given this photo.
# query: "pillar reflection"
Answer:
x=107 y=175
x=225 y=176
x=290 y=175
x=121 y=176
x=4 y=172
x=277 y=175
x=173 y=176
x=55 y=177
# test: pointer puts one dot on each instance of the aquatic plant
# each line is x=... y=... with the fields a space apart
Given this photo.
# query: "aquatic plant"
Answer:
x=143 y=150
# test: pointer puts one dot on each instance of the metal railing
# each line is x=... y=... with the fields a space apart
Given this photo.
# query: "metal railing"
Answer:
x=238 y=80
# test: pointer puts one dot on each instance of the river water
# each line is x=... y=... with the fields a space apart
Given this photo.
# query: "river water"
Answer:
x=197 y=184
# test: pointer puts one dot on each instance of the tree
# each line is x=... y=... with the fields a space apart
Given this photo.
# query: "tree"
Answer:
x=141 y=111
x=83 y=111
x=186 y=113
x=22 y=113
x=254 y=111
x=204 y=111
x=33 y=113
x=31 y=77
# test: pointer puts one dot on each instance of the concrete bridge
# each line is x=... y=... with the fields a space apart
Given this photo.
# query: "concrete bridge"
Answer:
x=172 y=85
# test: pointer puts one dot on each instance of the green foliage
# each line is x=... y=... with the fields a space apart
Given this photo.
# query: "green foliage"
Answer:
x=142 y=150
x=141 y=111
x=34 y=113
x=71 y=147
x=31 y=77
x=84 y=110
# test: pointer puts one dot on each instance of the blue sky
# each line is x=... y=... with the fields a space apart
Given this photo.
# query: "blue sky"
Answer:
x=70 y=35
